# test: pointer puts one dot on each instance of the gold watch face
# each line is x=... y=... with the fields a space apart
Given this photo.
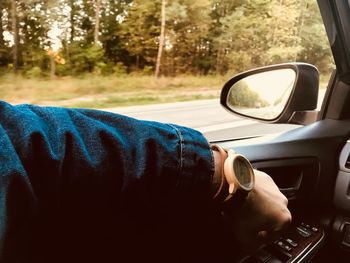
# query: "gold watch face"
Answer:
x=243 y=171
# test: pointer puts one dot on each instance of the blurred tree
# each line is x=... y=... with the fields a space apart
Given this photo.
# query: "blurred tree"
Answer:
x=187 y=44
x=4 y=60
x=284 y=35
x=69 y=18
x=34 y=28
x=200 y=36
x=257 y=33
x=2 y=41
x=72 y=18
x=112 y=15
x=97 y=21
x=86 y=58
x=77 y=42
x=313 y=40
x=15 y=34
x=140 y=30
x=161 y=38
x=220 y=9
x=87 y=25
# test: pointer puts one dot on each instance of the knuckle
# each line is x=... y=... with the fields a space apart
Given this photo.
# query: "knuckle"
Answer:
x=286 y=217
x=283 y=221
x=285 y=200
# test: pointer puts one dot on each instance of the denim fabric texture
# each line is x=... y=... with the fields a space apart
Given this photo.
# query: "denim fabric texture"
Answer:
x=73 y=178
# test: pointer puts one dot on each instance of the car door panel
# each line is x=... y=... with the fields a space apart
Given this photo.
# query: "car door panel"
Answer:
x=295 y=177
x=321 y=141
x=304 y=163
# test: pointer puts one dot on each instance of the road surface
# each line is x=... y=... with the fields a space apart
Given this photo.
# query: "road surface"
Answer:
x=207 y=116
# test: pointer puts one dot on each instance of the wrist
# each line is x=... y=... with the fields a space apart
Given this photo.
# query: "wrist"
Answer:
x=217 y=177
x=219 y=183
x=232 y=172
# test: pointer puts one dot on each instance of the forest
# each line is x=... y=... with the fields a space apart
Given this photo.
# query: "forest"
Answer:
x=57 y=38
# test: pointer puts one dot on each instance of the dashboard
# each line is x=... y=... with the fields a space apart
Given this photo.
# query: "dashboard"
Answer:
x=311 y=166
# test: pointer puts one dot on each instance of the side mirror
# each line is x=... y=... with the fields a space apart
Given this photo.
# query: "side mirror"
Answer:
x=284 y=93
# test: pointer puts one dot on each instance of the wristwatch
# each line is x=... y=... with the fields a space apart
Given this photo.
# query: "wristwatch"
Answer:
x=237 y=174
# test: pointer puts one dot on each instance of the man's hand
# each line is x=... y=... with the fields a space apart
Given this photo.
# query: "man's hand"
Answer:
x=263 y=217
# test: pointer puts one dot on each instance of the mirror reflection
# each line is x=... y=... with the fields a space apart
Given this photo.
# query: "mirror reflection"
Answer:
x=263 y=95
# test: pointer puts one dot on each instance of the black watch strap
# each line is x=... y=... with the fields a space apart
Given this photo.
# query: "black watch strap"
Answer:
x=235 y=203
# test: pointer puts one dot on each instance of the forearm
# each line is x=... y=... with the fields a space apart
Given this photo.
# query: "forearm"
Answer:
x=71 y=164
x=75 y=145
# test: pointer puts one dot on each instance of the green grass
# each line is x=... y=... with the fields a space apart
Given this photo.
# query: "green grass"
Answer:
x=102 y=92
x=91 y=91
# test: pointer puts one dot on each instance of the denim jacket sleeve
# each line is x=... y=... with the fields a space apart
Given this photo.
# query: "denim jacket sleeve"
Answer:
x=61 y=165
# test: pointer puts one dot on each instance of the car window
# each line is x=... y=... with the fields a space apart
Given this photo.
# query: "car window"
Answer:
x=172 y=56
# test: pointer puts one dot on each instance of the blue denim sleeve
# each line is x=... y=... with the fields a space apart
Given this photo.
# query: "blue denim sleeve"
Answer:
x=75 y=166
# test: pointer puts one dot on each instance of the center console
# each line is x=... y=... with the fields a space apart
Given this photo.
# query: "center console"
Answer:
x=299 y=244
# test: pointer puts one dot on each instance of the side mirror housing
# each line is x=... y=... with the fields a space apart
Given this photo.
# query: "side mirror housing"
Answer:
x=284 y=93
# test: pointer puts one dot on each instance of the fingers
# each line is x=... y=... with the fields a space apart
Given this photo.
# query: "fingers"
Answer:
x=274 y=230
x=277 y=220
x=265 y=215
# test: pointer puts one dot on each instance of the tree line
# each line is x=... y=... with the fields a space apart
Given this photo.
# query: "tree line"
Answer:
x=166 y=37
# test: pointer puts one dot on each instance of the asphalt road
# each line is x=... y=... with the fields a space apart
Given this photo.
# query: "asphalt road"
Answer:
x=207 y=116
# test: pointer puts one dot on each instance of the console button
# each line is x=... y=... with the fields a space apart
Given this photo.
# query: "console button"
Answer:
x=287 y=248
x=279 y=243
x=303 y=231
x=284 y=246
x=314 y=229
x=305 y=225
x=291 y=242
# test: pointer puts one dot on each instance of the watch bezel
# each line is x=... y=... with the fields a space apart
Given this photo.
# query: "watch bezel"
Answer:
x=230 y=174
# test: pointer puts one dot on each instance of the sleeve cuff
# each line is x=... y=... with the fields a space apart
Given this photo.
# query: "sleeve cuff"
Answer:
x=196 y=163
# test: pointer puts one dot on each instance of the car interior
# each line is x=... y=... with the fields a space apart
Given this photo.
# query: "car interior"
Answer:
x=310 y=164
